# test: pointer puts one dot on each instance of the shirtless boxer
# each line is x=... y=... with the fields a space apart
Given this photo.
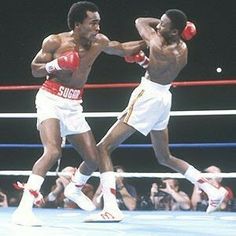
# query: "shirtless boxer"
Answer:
x=66 y=60
x=149 y=107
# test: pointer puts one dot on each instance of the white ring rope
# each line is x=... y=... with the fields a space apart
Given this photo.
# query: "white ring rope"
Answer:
x=115 y=114
x=127 y=175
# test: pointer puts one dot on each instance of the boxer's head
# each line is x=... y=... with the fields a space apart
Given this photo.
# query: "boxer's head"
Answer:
x=79 y=11
x=178 y=19
x=172 y=23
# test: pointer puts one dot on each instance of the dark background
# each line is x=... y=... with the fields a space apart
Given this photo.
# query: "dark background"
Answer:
x=23 y=26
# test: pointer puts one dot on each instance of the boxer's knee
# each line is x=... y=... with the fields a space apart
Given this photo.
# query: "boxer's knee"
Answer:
x=53 y=153
x=46 y=161
x=164 y=159
x=105 y=163
x=104 y=148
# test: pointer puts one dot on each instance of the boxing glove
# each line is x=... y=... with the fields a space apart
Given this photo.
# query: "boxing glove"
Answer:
x=139 y=58
x=189 y=31
x=68 y=61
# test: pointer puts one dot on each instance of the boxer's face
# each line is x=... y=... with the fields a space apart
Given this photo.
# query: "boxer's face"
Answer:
x=90 y=27
x=164 y=27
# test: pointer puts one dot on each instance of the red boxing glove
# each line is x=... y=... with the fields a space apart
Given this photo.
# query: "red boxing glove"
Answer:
x=129 y=59
x=189 y=31
x=139 y=58
x=68 y=61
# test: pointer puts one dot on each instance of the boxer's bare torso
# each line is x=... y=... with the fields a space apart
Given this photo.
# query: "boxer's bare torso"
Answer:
x=168 y=56
x=87 y=54
x=88 y=42
x=166 y=61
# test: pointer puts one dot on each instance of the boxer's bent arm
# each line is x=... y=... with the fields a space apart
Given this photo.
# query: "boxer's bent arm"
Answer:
x=124 y=49
x=49 y=46
x=147 y=28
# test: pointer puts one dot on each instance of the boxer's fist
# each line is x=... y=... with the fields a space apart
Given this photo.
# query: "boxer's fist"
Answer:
x=68 y=61
x=189 y=31
x=139 y=58
x=129 y=59
x=135 y=58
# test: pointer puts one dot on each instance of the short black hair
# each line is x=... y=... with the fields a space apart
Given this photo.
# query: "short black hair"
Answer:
x=78 y=12
x=178 y=19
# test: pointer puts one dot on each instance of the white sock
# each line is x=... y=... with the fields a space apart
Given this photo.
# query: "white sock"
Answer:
x=34 y=183
x=194 y=176
x=108 y=183
x=80 y=179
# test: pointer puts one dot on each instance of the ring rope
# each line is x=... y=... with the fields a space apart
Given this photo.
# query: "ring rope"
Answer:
x=115 y=114
x=173 y=145
x=127 y=174
x=127 y=85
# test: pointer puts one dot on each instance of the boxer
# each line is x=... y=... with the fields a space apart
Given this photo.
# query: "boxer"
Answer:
x=66 y=59
x=148 y=110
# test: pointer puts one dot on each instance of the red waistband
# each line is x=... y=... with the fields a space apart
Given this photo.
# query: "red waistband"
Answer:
x=62 y=91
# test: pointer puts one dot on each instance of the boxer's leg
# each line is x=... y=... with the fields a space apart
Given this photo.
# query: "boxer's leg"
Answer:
x=85 y=145
x=50 y=137
x=118 y=133
x=160 y=142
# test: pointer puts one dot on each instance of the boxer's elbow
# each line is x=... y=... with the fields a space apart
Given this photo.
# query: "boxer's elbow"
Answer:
x=34 y=70
x=38 y=71
x=138 y=21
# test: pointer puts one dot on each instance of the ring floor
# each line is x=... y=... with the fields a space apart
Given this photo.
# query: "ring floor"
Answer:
x=68 y=222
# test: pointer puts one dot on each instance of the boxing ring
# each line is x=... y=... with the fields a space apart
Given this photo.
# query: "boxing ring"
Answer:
x=160 y=223
x=64 y=222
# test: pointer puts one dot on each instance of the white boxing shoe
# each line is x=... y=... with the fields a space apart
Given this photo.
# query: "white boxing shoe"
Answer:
x=106 y=216
x=76 y=195
x=216 y=200
x=25 y=218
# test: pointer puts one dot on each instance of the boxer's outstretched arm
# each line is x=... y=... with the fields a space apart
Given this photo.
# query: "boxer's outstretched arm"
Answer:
x=124 y=49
